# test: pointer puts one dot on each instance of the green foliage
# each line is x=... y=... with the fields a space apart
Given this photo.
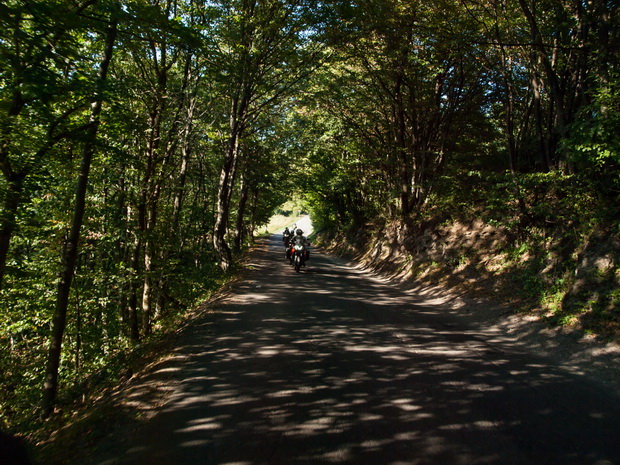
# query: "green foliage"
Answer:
x=594 y=142
x=360 y=113
x=152 y=185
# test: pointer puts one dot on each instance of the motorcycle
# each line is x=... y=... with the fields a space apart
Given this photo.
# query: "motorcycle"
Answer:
x=288 y=253
x=299 y=256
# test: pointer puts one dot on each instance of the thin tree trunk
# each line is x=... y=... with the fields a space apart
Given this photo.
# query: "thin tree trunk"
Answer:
x=78 y=332
x=149 y=256
x=121 y=244
x=180 y=191
x=255 y=197
x=176 y=244
x=152 y=185
x=14 y=180
x=224 y=195
x=132 y=305
x=543 y=139
x=70 y=251
x=8 y=219
x=555 y=89
x=603 y=14
x=239 y=227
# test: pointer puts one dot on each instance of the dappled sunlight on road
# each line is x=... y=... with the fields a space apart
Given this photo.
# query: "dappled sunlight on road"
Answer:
x=328 y=366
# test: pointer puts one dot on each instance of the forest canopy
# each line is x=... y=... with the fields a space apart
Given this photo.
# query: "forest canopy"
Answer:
x=143 y=142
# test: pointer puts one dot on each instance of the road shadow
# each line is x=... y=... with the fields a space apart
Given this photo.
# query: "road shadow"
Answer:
x=327 y=366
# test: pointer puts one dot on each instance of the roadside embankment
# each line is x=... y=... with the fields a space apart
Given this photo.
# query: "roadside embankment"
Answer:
x=559 y=297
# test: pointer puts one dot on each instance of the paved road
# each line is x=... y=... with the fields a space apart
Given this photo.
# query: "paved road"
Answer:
x=334 y=366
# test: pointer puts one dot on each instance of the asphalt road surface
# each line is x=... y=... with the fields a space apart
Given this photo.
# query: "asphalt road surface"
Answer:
x=332 y=365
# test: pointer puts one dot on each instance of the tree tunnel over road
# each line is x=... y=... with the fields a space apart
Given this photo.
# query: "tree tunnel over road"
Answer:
x=333 y=365
x=142 y=143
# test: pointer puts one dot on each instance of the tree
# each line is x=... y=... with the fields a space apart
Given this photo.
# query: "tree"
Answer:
x=70 y=252
x=407 y=90
x=40 y=94
x=265 y=52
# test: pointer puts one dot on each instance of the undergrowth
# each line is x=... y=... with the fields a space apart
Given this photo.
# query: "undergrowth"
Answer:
x=85 y=384
x=556 y=252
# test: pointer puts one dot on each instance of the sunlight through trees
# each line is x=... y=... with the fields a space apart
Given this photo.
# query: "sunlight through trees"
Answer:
x=142 y=143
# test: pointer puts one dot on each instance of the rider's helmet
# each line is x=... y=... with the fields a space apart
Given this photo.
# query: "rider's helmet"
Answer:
x=299 y=232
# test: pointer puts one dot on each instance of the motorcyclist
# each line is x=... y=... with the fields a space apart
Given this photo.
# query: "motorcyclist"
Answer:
x=300 y=239
x=286 y=236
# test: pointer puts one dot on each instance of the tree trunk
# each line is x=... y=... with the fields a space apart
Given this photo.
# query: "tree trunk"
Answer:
x=224 y=195
x=132 y=305
x=180 y=191
x=555 y=89
x=14 y=182
x=543 y=139
x=146 y=289
x=239 y=227
x=255 y=197
x=603 y=15
x=8 y=218
x=149 y=256
x=70 y=251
